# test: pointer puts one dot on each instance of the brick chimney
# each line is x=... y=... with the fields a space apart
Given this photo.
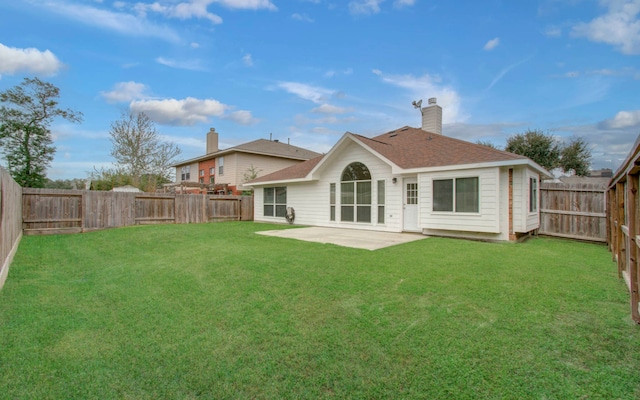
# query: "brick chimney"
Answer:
x=212 y=141
x=432 y=117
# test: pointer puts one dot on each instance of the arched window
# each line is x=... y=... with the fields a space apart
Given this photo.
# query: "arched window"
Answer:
x=355 y=193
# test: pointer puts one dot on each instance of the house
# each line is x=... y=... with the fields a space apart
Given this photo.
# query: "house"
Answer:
x=225 y=171
x=408 y=180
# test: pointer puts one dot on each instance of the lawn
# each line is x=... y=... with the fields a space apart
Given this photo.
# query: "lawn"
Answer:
x=217 y=311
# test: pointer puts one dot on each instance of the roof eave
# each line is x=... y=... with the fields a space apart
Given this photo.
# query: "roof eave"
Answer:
x=506 y=163
x=280 y=181
x=234 y=150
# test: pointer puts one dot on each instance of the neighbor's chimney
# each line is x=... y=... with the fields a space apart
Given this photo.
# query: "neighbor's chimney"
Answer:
x=432 y=117
x=212 y=141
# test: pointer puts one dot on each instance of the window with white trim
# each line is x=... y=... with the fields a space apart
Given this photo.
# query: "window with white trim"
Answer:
x=381 y=201
x=185 y=173
x=220 y=162
x=459 y=195
x=533 y=194
x=275 y=201
x=332 y=202
x=355 y=194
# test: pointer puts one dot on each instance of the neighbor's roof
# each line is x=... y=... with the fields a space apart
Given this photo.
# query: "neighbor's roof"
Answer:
x=262 y=147
x=411 y=148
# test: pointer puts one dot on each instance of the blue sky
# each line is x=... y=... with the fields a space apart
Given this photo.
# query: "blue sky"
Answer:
x=309 y=70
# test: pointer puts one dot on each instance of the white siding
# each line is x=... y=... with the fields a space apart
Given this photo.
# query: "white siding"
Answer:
x=523 y=220
x=520 y=193
x=533 y=218
x=311 y=199
x=487 y=220
x=193 y=173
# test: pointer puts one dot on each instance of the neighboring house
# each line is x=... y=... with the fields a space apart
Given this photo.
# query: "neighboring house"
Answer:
x=226 y=170
x=409 y=180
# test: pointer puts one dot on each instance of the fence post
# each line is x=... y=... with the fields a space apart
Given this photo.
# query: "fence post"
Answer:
x=632 y=245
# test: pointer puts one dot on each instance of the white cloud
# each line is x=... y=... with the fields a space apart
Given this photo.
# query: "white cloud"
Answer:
x=189 y=111
x=183 y=11
x=245 y=4
x=301 y=17
x=32 y=60
x=242 y=117
x=330 y=109
x=492 y=44
x=428 y=86
x=191 y=65
x=307 y=92
x=505 y=71
x=619 y=27
x=365 y=6
x=331 y=73
x=125 y=92
x=120 y=22
x=553 y=31
x=403 y=3
x=247 y=60
x=624 y=119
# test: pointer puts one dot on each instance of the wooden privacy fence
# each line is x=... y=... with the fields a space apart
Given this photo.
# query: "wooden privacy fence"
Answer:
x=624 y=225
x=10 y=221
x=69 y=211
x=574 y=210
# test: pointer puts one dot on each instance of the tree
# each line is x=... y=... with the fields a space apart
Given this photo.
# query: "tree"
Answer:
x=576 y=156
x=541 y=148
x=24 y=129
x=139 y=152
x=75 y=184
x=487 y=143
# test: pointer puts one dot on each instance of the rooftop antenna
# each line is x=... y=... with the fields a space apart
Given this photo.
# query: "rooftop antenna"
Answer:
x=417 y=104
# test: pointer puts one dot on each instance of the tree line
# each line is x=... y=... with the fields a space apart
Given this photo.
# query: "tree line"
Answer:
x=143 y=160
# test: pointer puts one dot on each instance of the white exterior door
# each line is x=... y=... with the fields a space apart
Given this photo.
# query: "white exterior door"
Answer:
x=410 y=205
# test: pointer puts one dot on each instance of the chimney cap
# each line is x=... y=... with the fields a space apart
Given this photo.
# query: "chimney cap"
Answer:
x=212 y=129
x=433 y=100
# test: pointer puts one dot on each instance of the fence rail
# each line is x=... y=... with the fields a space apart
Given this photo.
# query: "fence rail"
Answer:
x=10 y=221
x=50 y=211
x=574 y=210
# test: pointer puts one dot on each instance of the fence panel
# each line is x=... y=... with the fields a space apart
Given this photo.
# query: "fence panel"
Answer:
x=573 y=210
x=64 y=211
x=10 y=221
x=52 y=210
x=155 y=209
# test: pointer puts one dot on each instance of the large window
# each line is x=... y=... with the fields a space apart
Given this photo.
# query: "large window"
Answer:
x=381 y=201
x=275 y=201
x=533 y=195
x=456 y=195
x=220 y=162
x=355 y=193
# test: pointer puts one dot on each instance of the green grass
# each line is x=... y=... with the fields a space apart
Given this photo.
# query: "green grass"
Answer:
x=217 y=311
